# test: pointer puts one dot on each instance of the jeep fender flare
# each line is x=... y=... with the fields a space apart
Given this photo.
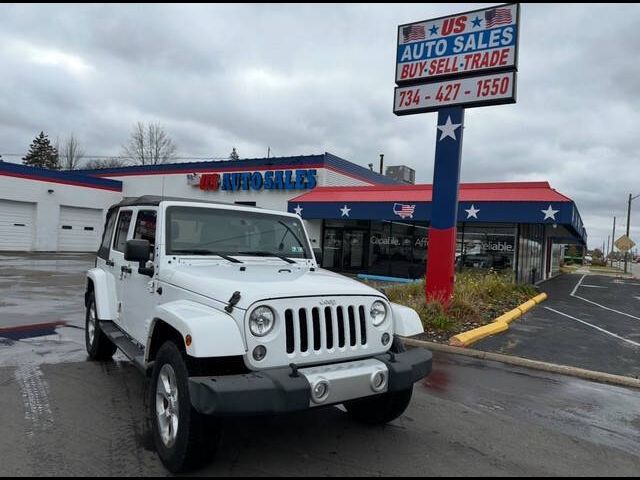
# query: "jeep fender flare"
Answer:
x=214 y=333
x=406 y=320
x=104 y=291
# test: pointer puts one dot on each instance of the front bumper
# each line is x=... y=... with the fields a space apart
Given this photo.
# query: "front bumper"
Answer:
x=281 y=390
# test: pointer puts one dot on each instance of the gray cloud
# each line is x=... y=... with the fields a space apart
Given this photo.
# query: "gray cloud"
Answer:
x=311 y=78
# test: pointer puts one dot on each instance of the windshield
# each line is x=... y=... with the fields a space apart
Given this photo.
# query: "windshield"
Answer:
x=209 y=231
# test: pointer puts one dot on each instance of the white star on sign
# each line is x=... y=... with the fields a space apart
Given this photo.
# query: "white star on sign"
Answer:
x=345 y=211
x=472 y=212
x=448 y=129
x=298 y=210
x=549 y=213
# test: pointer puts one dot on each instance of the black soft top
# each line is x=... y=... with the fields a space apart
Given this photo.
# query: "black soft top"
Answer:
x=154 y=200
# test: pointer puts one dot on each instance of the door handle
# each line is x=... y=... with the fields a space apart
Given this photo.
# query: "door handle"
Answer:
x=125 y=269
x=110 y=263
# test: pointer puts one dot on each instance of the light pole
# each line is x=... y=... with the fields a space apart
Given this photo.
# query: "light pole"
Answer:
x=626 y=253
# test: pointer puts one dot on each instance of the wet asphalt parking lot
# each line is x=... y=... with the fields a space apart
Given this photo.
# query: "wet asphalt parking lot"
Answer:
x=63 y=415
x=588 y=321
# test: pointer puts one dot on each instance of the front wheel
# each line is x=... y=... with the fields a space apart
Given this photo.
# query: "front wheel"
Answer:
x=184 y=439
x=99 y=347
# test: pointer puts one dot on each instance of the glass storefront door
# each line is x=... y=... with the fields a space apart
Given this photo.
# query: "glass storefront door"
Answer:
x=344 y=249
x=353 y=249
x=332 y=248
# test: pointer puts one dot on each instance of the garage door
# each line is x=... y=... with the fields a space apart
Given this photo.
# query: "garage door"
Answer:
x=79 y=229
x=17 y=224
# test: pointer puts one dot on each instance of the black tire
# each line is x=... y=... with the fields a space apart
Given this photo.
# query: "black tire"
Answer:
x=196 y=437
x=99 y=347
x=381 y=409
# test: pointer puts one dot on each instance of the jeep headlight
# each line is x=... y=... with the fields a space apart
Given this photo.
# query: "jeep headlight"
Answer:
x=261 y=321
x=378 y=313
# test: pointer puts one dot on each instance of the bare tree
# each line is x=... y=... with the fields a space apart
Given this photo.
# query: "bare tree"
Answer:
x=71 y=154
x=112 y=162
x=149 y=145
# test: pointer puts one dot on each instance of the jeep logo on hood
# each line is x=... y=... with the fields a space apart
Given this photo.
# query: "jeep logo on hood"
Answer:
x=327 y=302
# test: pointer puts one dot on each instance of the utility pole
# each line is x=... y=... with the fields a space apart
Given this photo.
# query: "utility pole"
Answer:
x=626 y=253
x=381 y=163
x=606 y=252
x=613 y=239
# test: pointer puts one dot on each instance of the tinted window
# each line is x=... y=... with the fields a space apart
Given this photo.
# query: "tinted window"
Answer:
x=103 y=251
x=145 y=228
x=121 y=231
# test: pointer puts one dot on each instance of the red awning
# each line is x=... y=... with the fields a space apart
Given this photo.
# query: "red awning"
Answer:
x=469 y=192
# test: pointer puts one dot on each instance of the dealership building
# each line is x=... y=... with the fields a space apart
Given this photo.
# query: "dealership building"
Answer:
x=362 y=221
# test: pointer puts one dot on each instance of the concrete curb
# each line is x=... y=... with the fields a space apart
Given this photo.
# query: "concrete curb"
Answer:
x=601 y=377
x=499 y=325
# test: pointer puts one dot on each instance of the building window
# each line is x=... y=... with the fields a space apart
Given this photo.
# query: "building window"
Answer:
x=530 y=253
x=486 y=247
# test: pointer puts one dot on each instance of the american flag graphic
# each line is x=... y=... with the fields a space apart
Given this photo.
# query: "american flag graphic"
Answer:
x=412 y=33
x=498 y=16
x=403 y=211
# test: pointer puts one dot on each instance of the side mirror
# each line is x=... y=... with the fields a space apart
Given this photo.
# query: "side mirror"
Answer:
x=137 y=250
x=318 y=254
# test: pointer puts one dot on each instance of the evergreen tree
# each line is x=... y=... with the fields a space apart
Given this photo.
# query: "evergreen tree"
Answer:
x=234 y=155
x=42 y=154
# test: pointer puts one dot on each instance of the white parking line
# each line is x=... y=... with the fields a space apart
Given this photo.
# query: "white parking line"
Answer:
x=575 y=289
x=593 y=286
x=573 y=294
x=593 y=326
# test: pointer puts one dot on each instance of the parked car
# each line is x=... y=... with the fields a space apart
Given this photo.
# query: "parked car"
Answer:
x=225 y=309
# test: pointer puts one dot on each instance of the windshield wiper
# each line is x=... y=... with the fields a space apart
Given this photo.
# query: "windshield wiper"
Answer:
x=267 y=254
x=204 y=251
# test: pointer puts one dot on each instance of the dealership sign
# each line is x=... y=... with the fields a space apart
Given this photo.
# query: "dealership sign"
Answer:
x=484 y=90
x=448 y=64
x=466 y=60
x=257 y=181
x=462 y=44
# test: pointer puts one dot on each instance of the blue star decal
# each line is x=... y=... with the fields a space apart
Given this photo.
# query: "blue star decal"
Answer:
x=433 y=30
x=476 y=21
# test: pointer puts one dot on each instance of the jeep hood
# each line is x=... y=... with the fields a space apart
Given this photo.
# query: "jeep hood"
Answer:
x=261 y=281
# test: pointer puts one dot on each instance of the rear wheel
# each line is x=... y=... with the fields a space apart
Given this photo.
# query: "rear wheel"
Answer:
x=99 y=347
x=383 y=408
x=184 y=438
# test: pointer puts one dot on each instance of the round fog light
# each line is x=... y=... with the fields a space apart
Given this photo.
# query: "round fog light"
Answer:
x=320 y=391
x=386 y=338
x=259 y=353
x=378 y=381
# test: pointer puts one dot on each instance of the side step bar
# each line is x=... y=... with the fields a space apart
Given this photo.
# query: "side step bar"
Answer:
x=121 y=340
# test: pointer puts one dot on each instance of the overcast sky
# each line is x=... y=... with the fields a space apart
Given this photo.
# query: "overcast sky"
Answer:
x=306 y=79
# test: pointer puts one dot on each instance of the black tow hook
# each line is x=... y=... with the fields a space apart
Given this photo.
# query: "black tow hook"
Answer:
x=294 y=370
x=233 y=301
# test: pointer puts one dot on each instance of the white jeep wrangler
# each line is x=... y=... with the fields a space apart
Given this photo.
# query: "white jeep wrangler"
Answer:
x=227 y=311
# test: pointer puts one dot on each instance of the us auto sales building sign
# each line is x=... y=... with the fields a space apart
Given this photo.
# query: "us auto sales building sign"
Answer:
x=481 y=45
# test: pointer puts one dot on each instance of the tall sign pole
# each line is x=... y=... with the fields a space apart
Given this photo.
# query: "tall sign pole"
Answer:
x=444 y=201
x=445 y=65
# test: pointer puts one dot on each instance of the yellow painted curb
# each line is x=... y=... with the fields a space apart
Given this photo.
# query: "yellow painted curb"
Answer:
x=526 y=306
x=499 y=325
x=540 y=298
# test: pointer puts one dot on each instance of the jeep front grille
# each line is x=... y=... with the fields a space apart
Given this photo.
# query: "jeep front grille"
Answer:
x=321 y=329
